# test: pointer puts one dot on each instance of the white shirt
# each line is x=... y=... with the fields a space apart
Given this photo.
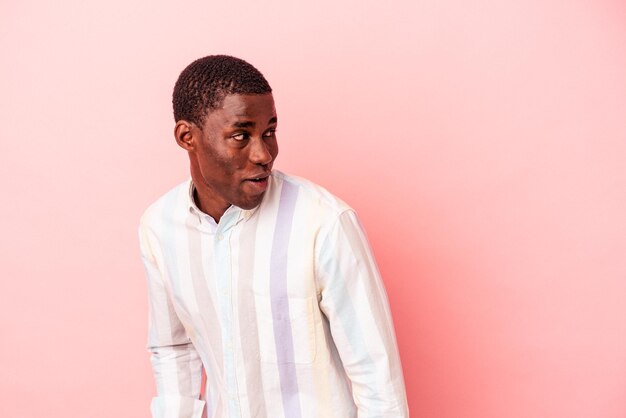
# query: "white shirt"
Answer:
x=281 y=305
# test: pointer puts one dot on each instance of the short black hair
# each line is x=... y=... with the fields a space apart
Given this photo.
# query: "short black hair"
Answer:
x=204 y=84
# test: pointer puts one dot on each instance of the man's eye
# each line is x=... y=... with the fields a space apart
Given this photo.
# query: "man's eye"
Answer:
x=240 y=136
x=270 y=133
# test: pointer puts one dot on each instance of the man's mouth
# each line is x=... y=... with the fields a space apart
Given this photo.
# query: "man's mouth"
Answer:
x=260 y=178
x=259 y=183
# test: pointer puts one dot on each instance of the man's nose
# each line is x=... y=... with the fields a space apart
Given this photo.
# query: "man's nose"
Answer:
x=259 y=152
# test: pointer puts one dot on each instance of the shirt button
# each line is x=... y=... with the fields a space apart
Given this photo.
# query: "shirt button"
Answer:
x=225 y=291
x=220 y=237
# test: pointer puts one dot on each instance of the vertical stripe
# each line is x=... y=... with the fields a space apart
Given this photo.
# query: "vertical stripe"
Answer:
x=206 y=308
x=223 y=276
x=184 y=385
x=280 y=303
x=247 y=315
x=186 y=408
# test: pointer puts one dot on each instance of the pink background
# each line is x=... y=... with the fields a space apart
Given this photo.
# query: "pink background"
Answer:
x=483 y=144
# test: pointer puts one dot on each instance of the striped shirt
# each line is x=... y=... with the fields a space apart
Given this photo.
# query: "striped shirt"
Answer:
x=282 y=306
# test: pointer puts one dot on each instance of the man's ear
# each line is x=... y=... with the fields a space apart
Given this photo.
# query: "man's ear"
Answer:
x=186 y=135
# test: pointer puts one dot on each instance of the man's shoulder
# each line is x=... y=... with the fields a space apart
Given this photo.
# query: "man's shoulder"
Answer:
x=312 y=193
x=167 y=207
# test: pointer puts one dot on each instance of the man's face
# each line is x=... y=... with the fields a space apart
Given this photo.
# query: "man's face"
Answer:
x=235 y=152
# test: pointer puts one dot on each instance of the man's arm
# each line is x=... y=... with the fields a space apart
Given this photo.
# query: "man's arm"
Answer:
x=176 y=365
x=355 y=302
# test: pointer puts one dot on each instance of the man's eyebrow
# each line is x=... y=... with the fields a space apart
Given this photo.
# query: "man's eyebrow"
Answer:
x=250 y=124
x=247 y=124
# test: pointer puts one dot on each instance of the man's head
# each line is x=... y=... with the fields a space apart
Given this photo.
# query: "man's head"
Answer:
x=226 y=120
x=202 y=86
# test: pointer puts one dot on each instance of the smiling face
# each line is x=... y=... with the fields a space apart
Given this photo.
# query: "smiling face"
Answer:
x=232 y=153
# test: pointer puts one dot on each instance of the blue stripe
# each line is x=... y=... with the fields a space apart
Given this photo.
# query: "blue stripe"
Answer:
x=280 y=303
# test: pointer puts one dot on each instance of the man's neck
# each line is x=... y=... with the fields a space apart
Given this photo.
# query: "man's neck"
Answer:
x=208 y=205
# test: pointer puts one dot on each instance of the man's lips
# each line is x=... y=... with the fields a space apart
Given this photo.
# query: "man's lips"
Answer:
x=258 y=183
x=258 y=178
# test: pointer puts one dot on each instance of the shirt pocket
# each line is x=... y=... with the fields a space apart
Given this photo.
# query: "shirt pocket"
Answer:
x=286 y=329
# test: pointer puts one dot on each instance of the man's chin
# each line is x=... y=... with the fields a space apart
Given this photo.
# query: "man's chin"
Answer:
x=251 y=203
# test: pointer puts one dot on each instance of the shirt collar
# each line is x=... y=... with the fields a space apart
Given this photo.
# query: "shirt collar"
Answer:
x=241 y=214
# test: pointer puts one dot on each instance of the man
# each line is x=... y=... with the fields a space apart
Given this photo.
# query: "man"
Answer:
x=262 y=279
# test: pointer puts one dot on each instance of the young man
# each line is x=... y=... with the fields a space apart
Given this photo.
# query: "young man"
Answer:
x=264 y=280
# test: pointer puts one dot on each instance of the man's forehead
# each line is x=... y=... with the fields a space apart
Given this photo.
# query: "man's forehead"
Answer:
x=244 y=111
x=247 y=105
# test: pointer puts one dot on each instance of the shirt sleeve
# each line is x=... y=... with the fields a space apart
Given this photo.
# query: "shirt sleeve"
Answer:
x=354 y=300
x=175 y=363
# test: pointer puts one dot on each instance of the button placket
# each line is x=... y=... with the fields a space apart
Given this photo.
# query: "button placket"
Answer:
x=224 y=284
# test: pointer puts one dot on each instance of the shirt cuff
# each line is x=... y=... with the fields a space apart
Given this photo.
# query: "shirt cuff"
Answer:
x=176 y=407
